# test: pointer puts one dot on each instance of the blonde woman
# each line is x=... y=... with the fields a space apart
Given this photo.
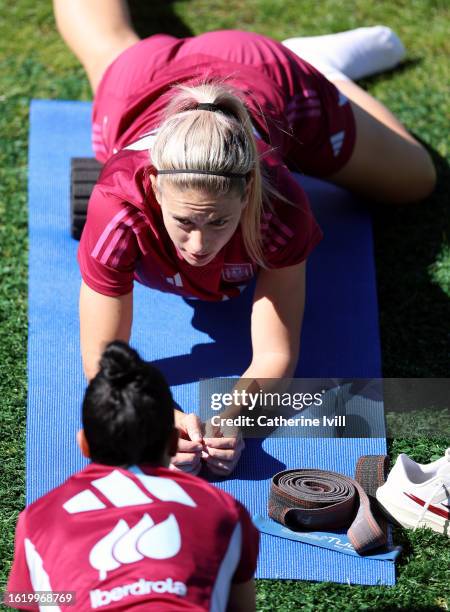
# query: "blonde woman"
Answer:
x=196 y=197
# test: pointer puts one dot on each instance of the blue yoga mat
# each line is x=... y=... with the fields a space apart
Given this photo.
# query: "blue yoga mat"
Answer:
x=191 y=341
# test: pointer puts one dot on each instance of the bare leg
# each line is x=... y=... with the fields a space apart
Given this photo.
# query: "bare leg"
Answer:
x=97 y=31
x=387 y=164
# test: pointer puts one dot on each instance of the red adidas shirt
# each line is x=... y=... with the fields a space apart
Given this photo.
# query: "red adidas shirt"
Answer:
x=301 y=114
x=135 y=539
x=304 y=122
x=124 y=238
x=303 y=119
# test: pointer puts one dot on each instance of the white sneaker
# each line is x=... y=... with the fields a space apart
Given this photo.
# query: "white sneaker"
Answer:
x=417 y=495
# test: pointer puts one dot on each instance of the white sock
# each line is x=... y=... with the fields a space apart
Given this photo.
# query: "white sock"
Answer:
x=350 y=55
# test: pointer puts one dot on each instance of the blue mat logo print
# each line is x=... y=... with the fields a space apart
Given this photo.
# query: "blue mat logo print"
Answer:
x=334 y=541
x=338 y=542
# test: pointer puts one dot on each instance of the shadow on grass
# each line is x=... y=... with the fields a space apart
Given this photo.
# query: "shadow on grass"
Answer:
x=408 y=240
x=405 y=66
x=156 y=18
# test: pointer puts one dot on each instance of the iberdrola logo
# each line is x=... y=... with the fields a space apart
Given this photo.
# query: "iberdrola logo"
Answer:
x=126 y=543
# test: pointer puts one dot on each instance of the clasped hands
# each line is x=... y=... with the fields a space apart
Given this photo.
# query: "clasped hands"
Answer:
x=203 y=443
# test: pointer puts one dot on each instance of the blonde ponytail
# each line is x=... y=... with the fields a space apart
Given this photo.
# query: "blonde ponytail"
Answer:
x=221 y=142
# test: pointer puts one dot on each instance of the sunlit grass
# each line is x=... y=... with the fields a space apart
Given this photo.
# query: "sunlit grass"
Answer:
x=411 y=244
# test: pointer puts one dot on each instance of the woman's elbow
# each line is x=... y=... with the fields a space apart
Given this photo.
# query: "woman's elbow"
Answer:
x=90 y=369
x=90 y=357
x=291 y=366
x=284 y=363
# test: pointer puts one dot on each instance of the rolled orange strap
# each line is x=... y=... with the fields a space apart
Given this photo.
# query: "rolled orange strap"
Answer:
x=319 y=500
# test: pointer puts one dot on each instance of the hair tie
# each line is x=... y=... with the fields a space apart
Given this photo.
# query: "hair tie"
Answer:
x=208 y=172
x=119 y=380
x=208 y=106
x=212 y=107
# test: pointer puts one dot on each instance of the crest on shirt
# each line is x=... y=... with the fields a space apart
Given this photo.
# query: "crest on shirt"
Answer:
x=237 y=272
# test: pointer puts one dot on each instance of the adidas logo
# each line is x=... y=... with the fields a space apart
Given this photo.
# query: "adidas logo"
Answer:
x=122 y=491
x=145 y=142
x=342 y=99
x=175 y=280
x=125 y=544
x=337 y=140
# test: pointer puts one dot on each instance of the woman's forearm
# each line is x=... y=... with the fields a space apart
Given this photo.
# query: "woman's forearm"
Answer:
x=102 y=320
x=277 y=316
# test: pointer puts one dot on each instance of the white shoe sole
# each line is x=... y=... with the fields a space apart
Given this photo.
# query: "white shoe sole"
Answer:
x=408 y=519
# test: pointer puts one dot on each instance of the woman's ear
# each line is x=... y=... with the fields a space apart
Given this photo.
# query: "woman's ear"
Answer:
x=83 y=444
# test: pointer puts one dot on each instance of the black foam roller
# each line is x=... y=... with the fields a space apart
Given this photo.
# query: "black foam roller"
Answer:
x=84 y=172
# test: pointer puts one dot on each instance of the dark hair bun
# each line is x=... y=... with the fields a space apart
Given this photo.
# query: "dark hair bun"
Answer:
x=120 y=364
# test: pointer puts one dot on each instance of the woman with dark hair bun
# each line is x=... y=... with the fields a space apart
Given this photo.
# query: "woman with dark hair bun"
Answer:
x=127 y=410
x=199 y=137
x=127 y=532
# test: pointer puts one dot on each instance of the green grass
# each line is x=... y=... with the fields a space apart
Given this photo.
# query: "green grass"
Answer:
x=412 y=249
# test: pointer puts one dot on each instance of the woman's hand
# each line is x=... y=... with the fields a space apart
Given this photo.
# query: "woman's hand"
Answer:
x=202 y=442
x=221 y=454
x=190 y=447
